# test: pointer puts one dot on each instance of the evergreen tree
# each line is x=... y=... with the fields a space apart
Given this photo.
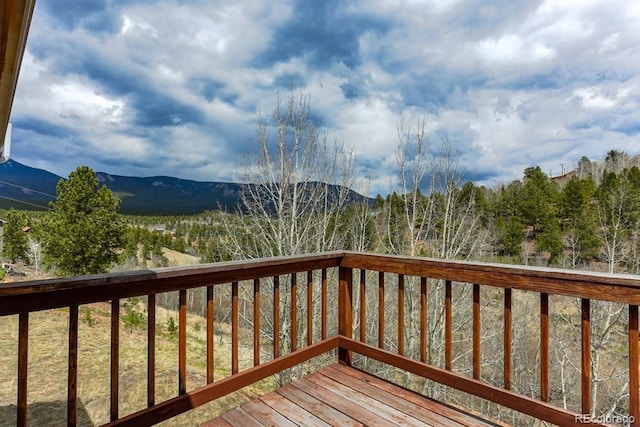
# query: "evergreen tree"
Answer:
x=15 y=238
x=539 y=210
x=84 y=229
x=508 y=220
x=579 y=221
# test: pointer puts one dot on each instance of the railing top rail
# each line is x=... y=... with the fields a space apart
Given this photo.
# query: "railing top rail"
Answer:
x=623 y=288
x=53 y=293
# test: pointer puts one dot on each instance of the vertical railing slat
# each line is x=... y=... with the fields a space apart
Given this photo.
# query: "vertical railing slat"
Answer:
x=72 y=373
x=544 y=347
x=151 y=350
x=634 y=367
x=447 y=324
x=586 y=355
x=23 y=365
x=182 y=342
x=345 y=311
x=381 y=310
x=309 y=307
x=401 y=314
x=115 y=356
x=276 y=317
x=234 y=327
x=256 y=322
x=210 y=336
x=423 y=319
x=476 y=331
x=294 y=312
x=508 y=330
x=324 y=304
x=363 y=303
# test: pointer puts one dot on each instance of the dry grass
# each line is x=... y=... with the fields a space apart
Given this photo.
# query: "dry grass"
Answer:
x=48 y=352
x=178 y=258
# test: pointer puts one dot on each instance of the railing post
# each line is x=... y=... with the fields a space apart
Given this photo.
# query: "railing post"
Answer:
x=23 y=364
x=151 y=350
x=586 y=356
x=345 y=311
x=72 y=374
x=182 y=342
x=115 y=358
x=634 y=366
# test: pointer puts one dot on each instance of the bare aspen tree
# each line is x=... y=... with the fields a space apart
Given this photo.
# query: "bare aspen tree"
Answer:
x=35 y=254
x=433 y=221
x=298 y=185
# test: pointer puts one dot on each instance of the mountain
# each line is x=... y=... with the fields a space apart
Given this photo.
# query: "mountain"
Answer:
x=23 y=187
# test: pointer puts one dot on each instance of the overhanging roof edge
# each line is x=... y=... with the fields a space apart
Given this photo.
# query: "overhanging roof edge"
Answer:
x=14 y=28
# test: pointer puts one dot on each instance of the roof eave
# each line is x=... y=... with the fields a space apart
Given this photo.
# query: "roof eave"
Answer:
x=14 y=28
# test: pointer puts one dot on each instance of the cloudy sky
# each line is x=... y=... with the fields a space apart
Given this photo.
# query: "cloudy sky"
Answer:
x=175 y=87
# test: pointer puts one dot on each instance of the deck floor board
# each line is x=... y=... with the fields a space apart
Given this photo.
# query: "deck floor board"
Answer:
x=338 y=395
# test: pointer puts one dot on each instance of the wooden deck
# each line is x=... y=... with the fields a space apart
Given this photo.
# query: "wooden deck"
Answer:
x=341 y=396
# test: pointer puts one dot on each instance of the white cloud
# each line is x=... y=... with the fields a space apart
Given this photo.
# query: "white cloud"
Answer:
x=512 y=84
x=510 y=49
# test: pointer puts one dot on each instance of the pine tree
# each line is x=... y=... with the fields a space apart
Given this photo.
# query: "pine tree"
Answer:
x=15 y=238
x=579 y=220
x=84 y=228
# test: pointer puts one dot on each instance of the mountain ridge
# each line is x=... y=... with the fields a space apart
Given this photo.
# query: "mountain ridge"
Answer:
x=28 y=188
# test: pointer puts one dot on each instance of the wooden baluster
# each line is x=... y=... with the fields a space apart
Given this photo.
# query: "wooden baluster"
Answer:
x=276 y=317
x=508 y=328
x=401 y=314
x=294 y=312
x=309 y=307
x=23 y=365
x=423 y=319
x=234 y=327
x=182 y=342
x=256 y=322
x=381 y=310
x=345 y=311
x=324 y=304
x=115 y=356
x=544 y=347
x=634 y=366
x=210 y=336
x=363 y=302
x=447 y=324
x=151 y=350
x=586 y=356
x=476 y=331
x=72 y=373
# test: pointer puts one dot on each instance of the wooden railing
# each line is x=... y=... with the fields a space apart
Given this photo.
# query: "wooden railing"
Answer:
x=23 y=299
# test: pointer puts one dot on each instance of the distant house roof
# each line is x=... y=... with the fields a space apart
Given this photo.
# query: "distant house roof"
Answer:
x=15 y=19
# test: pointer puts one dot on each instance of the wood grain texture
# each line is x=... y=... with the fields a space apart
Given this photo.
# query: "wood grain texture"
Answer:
x=345 y=311
x=536 y=408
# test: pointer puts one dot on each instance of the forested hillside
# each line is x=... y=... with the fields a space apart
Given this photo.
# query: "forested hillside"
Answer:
x=588 y=220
